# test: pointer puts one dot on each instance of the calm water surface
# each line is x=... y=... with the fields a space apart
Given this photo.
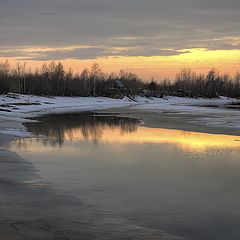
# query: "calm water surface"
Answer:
x=184 y=183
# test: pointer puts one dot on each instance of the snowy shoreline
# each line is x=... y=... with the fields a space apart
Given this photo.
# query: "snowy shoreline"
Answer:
x=15 y=109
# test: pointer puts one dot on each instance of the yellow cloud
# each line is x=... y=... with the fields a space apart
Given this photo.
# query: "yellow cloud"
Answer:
x=198 y=59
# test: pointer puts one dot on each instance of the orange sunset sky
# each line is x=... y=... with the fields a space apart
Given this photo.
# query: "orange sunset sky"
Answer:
x=153 y=39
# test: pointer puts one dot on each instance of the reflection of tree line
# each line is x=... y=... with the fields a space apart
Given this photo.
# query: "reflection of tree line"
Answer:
x=53 y=129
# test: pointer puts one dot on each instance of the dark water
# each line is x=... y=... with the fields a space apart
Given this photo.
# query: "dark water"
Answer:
x=183 y=183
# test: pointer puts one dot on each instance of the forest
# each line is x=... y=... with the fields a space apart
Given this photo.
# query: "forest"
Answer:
x=53 y=80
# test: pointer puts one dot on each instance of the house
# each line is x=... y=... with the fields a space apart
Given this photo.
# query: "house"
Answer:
x=120 y=88
x=144 y=93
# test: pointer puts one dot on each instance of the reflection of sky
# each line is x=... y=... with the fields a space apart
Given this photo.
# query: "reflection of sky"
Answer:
x=187 y=141
x=170 y=180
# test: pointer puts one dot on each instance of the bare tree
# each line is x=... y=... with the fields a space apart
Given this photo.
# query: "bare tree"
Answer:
x=94 y=75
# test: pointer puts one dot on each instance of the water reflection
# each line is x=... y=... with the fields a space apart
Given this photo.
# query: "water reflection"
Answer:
x=183 y=183
x=54 y=130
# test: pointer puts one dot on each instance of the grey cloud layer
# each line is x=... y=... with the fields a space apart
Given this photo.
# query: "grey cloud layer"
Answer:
x=155 y=25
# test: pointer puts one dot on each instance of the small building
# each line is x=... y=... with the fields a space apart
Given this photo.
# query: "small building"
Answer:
x=145 y=93
x=120 y=88
x=119 y=84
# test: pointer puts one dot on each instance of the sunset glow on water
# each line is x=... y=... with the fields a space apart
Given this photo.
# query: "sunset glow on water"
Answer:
x=184 y=140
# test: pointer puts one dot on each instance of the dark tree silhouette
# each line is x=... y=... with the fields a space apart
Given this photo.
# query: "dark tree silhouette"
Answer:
x=52 y=79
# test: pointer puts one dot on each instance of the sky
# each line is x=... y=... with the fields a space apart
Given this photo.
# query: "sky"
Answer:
x=154 y=38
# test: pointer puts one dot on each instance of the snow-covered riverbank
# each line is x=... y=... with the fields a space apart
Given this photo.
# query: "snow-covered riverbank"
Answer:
x=14 y=109
x=222 y=113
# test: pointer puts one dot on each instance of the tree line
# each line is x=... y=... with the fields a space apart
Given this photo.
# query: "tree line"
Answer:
x=53 y=80
x=212 y=85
